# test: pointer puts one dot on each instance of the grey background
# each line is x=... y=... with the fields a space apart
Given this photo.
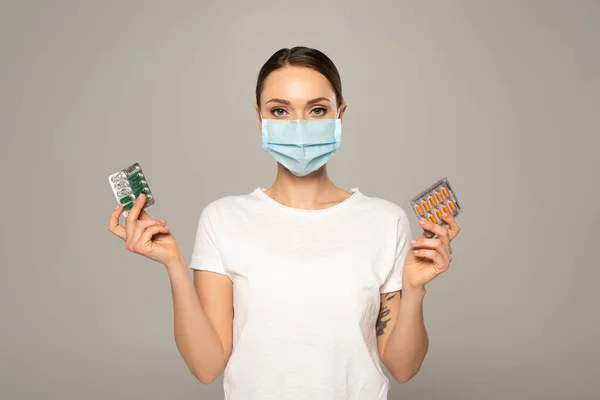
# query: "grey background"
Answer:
x=503 y=97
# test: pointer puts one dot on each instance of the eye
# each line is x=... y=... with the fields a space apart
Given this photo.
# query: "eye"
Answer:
x=319 y=111
x=278 y=112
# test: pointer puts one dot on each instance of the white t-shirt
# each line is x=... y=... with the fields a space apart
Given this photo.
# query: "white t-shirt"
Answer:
x=307 y=287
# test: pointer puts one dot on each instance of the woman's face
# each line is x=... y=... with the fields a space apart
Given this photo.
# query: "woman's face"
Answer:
x=297 y=93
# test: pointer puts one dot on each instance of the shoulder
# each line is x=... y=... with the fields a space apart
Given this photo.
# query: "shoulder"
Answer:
x=229 y=205
x=390 y=217
x=384 y=208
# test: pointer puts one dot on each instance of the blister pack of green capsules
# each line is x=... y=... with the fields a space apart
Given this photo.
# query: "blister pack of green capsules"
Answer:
x=127 y=184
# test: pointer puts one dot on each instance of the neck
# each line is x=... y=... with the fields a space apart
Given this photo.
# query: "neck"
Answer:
x=308 y=192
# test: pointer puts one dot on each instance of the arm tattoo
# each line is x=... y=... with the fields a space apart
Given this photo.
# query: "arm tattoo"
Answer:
x=382 y=321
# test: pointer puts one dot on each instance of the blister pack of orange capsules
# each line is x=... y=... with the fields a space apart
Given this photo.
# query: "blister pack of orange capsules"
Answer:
x=436 y=199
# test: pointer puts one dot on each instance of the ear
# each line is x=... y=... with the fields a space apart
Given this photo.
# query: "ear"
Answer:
x=342 y=109
x=258 y=118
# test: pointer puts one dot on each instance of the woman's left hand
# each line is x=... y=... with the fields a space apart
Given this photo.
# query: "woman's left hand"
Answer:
x=429 y=257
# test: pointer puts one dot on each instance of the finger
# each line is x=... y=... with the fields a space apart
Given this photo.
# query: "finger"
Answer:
x=433 y=244
x=441 y=232
x=134 y=213
x=425 y=243
x=140 y=226
x=422 y=243
x=433 y=228
x=132 y=217
x=433 y=256
x=146 y=237
x=453 y=226
x=113 y=223
x=144 y=216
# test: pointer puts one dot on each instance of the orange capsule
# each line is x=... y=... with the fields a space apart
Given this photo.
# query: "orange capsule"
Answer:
x=432 y=201
x=446 y=191
x=427 y=206
x=420 y=210
x=439 y=214
x=452 y=205
x=446 y=210
x=433 y=218
x=439 y=197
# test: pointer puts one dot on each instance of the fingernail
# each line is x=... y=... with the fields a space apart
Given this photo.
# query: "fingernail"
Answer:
x=163 y=221
x=422 y=222
x=118 y=205
x=444 y=214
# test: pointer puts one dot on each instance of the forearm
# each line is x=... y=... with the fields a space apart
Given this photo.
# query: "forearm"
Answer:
x=408 y=342
x=195 y=337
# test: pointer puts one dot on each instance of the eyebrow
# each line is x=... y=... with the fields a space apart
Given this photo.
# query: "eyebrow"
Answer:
x=310 y=102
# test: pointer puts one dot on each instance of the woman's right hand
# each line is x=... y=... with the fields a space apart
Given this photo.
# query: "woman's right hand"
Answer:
x=144 y=235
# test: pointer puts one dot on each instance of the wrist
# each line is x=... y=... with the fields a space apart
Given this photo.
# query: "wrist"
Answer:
x=176 y=265
x=413 y=293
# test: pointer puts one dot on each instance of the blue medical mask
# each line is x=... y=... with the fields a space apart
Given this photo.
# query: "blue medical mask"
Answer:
x=302 y=146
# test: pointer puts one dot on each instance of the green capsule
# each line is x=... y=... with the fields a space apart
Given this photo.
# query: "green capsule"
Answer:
x=138 y=184
x=142 y=190
x=136 y=176
x=127 y=199
x=128 y=206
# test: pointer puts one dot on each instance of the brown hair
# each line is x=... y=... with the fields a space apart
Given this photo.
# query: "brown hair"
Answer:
x=301 y=57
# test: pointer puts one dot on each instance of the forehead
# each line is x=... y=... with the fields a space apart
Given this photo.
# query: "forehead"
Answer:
x=296 y=83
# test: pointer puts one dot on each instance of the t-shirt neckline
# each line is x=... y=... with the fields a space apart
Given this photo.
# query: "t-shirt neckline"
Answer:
x=259 y=191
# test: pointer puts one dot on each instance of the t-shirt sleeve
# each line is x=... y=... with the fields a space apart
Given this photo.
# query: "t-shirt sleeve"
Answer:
x=393 y=282
x=206 y=255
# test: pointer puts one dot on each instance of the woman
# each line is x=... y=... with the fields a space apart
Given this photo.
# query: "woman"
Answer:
x=324 y=282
